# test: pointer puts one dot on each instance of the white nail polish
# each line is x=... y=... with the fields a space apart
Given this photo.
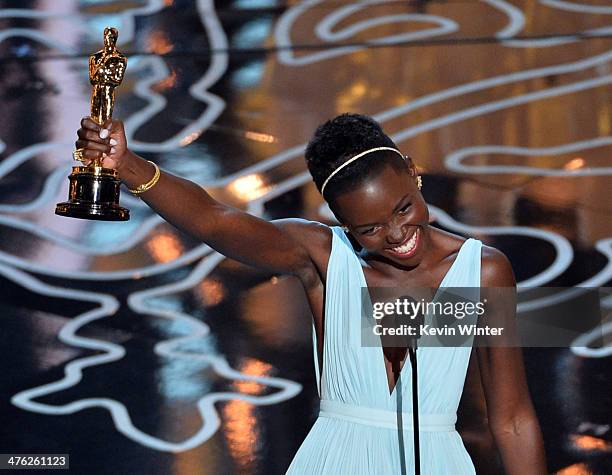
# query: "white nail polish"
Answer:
x=113 y=142
x=104 y=133
x=113 y=150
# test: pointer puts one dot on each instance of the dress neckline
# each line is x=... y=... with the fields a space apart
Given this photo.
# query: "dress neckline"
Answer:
x=443 y=283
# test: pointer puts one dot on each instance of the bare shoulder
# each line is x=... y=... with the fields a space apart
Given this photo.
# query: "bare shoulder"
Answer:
x=496 y=270
x=448 y=243
x=313 y=236
x=308 y=233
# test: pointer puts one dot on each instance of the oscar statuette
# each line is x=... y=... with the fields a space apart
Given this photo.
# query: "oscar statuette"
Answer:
x=94 y=190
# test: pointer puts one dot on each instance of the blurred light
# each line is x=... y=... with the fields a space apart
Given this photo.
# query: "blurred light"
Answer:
x=250 y=4
x=211 y=292
x=22 y=50
x=358 y=89
x=259 y=137
x=354 y=93
x=588 y=442
x=240 y=427
x=158 y=42
x=181 y=378
x=576 y=469
x=253 y=368
x=190 y=138
x=164 y=247
x=401 y=99
x=249 y=187
x=574 y=164
x=248 y=76
x=253 y=33
x=603 y=120
x=166 y=83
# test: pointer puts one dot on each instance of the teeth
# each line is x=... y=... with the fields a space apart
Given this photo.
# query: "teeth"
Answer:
x=408 y=246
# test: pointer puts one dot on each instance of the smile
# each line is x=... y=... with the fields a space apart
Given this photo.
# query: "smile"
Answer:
x=408 y=248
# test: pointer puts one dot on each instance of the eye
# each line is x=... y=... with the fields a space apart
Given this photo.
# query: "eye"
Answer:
x=405 y=208
x=370 y=231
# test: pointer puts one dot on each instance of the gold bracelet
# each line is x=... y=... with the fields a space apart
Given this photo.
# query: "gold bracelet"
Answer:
x=148 y=185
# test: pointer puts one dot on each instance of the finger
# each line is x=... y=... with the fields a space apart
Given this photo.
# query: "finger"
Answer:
x=92 y=154
x=86 y=144
x=104 y=133
x=105 y=130
x=109 y=162
x=91 y=135
x=88 y=123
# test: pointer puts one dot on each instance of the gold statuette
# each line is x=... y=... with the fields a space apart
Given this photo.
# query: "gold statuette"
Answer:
x=94 y=190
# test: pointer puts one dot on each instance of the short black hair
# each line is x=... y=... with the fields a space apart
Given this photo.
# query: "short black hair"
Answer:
x=341 y=138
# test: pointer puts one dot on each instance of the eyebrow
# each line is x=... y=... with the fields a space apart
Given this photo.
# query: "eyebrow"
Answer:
x=397 y=206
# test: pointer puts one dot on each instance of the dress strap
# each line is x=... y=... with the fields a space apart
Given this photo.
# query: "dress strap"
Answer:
x=337 y=237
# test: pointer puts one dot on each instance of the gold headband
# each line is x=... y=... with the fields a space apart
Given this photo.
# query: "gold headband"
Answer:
x=356 y=157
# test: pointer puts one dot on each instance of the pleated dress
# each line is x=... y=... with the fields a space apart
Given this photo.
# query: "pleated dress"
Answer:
x=356 y=431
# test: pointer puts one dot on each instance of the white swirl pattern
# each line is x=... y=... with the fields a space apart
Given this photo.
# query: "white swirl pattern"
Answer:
x=14 y=267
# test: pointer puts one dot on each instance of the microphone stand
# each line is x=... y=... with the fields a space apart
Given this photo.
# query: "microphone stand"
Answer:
x=415 y=407
x=395 y=366
x=411 y=343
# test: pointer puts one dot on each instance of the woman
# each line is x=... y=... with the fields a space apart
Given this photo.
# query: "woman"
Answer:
x=374 y=191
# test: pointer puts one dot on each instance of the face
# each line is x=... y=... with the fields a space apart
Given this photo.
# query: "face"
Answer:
x=387 y=216
x=110 y=38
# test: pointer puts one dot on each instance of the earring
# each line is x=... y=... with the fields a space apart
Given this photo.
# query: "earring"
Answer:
x=345 y=229
x=419 y=182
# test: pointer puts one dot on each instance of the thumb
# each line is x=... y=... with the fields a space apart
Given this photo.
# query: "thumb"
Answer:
x=116 y=127
x=109 y=162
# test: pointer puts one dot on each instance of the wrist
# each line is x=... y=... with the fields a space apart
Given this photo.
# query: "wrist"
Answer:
x=126 y=164
x=134 y=170
x=149 y=184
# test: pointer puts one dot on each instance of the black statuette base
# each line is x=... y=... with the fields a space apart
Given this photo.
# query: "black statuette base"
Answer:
x=93 y=196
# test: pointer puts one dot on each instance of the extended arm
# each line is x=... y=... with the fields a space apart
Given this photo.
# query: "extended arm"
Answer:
x=277 y=246
x=512 y=418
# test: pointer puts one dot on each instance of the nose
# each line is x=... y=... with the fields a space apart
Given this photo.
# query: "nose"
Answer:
x=397 y=233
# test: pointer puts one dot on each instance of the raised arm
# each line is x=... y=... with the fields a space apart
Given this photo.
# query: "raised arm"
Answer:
x=275 y=246
x=512 y=419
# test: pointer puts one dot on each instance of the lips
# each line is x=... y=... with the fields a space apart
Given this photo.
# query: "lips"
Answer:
x=408 y=247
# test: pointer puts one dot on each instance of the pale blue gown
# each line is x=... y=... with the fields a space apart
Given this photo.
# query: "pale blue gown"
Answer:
x=356 y=430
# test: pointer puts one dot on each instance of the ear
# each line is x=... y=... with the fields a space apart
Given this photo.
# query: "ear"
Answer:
x=411 y=167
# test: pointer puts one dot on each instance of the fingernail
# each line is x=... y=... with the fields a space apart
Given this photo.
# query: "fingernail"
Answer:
x=113 y=150
x=113 y=142
x=104 y=133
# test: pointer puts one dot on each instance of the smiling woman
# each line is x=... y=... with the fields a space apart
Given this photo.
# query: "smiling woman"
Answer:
x=374 y=191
